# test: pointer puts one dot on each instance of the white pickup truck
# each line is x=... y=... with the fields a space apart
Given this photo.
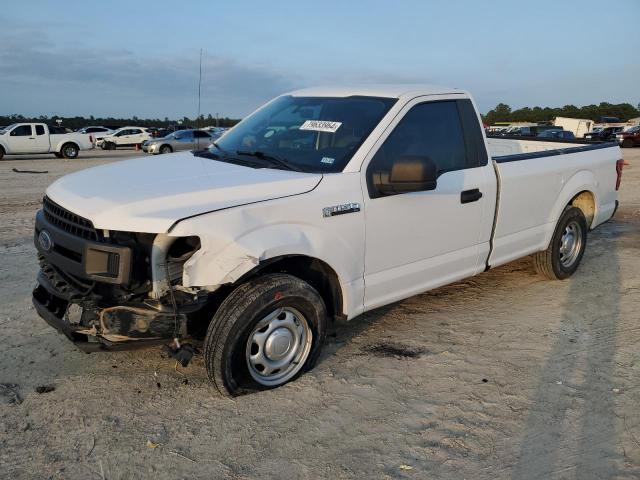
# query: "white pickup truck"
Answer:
x=32 y=138
x=321 y=205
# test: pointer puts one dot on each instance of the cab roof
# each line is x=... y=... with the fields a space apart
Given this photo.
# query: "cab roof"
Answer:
x=383 y=90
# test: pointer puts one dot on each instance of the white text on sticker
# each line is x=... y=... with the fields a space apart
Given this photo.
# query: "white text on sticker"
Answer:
x=321 y=126
x=328 y=160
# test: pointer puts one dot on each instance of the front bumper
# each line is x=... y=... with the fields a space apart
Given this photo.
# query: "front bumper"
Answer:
x=121 y=327
x=83 y=287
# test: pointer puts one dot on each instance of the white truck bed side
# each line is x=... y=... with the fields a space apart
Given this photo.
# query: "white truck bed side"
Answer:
x=537 y=180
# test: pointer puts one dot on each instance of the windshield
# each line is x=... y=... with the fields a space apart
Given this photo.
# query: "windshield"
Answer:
x=310 y=134
x=7 y=128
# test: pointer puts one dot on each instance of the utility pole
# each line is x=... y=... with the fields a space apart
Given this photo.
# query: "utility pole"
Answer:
x=199 y=90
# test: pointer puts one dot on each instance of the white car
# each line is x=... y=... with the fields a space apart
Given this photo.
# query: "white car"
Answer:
x=323 y=204
x=31 y=138
x=97 y=132
x=125 y=137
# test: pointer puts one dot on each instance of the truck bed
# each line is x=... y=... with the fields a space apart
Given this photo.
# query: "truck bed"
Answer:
x=505 y=146
x=537 y=179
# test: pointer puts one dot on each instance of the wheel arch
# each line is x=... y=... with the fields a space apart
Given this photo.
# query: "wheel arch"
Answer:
x=586 y=202
x=581 y=188
x=317 y=273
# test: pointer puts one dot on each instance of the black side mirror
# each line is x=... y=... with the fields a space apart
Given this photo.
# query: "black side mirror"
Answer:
x=410 y=173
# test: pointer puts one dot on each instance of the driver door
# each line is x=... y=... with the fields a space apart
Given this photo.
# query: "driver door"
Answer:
x=423 y=239
x=22 y=139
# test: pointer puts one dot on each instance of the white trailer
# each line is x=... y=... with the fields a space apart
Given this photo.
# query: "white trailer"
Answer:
x=579 y=126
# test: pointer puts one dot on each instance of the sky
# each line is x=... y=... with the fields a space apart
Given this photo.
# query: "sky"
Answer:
x=141 y=58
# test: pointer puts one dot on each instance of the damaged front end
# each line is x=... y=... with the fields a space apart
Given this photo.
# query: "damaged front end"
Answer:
x=113 y=290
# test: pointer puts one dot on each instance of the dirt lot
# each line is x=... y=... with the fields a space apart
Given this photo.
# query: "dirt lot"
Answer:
x=505 y=375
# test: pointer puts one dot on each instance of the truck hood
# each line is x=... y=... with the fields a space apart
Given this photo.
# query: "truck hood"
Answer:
x=152 y=193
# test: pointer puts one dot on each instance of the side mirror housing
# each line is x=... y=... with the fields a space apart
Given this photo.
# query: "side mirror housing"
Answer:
x=410 y=173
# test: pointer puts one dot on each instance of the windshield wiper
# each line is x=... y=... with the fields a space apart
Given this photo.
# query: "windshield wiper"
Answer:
x=236 y=161
x=281 y=162
x=214 y=144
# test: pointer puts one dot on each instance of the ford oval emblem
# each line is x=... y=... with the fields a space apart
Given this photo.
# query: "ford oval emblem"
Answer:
x=46 y=243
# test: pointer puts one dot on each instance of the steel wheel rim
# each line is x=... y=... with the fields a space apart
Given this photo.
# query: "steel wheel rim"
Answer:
x=278 y=346
x=570 y=244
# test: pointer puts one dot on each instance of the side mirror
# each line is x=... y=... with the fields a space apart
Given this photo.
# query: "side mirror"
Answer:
x=410 y=173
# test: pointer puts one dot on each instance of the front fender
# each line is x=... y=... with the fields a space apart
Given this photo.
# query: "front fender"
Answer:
x=235 y=240
x=219 y=261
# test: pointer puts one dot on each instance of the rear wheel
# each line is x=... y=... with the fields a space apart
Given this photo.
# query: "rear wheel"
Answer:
x=70 y=150
x=562 y=258
x=627 y=143
x=266 y=333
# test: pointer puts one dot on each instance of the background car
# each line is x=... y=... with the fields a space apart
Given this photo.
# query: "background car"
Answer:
x=178 y=141
x=98 y=133
x=630 y=138
x=604 y=134
x=561 y=134
x=125 y=137
x=527 y=130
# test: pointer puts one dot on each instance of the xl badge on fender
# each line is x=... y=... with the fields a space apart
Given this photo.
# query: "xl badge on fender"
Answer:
x=340 y=209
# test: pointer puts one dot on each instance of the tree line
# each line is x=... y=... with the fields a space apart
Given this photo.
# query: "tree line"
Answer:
x=77 y=122
x=503 y=113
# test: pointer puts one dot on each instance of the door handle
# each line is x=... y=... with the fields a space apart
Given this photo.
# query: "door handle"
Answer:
x=469 y=196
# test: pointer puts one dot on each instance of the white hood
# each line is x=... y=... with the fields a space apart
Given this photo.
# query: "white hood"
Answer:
x=151 y=194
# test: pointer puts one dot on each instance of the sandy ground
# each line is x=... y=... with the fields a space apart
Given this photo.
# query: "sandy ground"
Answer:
x=505 y=375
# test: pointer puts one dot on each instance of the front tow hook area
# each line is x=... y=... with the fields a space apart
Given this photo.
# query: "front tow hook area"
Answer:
x=111 y=328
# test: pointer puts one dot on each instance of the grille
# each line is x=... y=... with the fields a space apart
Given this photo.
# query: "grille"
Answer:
x=67 y=221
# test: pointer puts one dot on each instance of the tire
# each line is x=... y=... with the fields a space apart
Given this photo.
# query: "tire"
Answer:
x=166 y=149
x=58 y=155
x=255 y=327
x=108 y=146
x=627 y=143
x=1 y=153
x=70 y=150
x=563 y=255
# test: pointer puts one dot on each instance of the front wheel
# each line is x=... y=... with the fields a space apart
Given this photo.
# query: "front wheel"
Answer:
x=166 y=149
x=266 y=333
x=563 y=255
x=627 y=143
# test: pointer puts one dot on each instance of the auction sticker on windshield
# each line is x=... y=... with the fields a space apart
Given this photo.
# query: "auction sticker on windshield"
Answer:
x=321 y=126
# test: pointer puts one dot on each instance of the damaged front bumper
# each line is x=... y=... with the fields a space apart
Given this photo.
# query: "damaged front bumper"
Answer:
x=92 y=327
x=89 y=290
